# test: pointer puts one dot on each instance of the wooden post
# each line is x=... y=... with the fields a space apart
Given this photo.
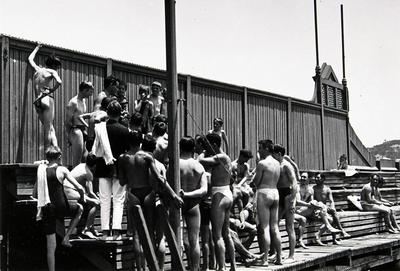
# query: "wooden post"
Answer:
x=289 y=131
x=5 y=88
x=172 y=87
x=319 y=86
x=245 y=119
x=109 y=67
x=144 y=238
x=188 y=107
x=346 y=93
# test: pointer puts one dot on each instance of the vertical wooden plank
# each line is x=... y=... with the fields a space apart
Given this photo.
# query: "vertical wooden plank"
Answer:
x=245 y=120
x=5 y=88
x=348 y=138
x=109 y=67
x=323 y=135
x=289 y=132
x=188 y=107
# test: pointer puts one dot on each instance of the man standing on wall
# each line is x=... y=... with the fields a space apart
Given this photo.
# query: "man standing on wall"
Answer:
x=44 y=103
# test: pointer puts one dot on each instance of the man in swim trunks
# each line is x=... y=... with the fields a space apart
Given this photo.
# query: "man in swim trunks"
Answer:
x=75 y=125
x=371 y=201
x=83 y=174
x=44 y=103
x=267 y=196
x=221 y=201
x=194 y=187
x=323 y=194
x=240 y=177
x=287 y=188
x=207 y=246
x=137 y=169
x=58 y=208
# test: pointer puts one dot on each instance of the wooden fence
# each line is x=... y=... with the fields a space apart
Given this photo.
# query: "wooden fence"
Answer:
x=249 y=114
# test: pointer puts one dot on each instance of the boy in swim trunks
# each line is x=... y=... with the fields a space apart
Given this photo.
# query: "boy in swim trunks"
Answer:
x=194 y=187
x=44 y=103
x=221 y=201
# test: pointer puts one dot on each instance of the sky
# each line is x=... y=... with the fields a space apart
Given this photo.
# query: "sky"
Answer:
x=263 y=44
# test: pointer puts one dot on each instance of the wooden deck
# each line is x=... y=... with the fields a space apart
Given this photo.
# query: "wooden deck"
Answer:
x=360 y=253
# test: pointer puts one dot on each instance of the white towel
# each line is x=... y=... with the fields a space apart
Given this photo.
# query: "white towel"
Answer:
x=42 y=190
x=101 y=145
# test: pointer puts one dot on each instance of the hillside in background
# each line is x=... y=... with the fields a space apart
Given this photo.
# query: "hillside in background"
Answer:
x=388 y=149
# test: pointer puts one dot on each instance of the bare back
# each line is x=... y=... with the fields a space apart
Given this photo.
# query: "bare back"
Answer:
x=287 y=177
x=221 y=173
x=135 y=169
x=191 y=172
x=268 y=171
x=42 y=79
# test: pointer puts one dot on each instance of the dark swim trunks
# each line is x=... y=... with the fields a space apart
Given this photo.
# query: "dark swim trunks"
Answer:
x=205 y=209
x=142 y=193
x=80 y=127
x=38 y=102
x=283 y=193
x=189 y=204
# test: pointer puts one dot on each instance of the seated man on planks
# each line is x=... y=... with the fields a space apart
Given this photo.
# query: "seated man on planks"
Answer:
x=240 y=177
x=194 y=187
x=83 y=174
x=371 y=200
x=135 y=169
x=311 y=210
x=323 y=194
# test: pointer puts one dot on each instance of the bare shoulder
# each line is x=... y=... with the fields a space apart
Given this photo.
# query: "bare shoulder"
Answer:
x=197 y=166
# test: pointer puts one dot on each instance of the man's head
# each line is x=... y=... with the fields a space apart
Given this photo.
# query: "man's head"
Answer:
x=199 y=143
x=149 y=143
x=160 y=128
x=53 y=62
x=265 y=147
x=304 y=178
x=114 y=110
x=278 y=152
x=136 y=120
x=135 y=138
x=213 y=144
x=374 y=179
x=156 y=88
x=105 y=102
x=111 y=84
x=143 y=91
x=187 y=144
x=320 y=179
x=91 y=161
x=160 y=118
x=53 y=154
x=218 y=122
x=86 y=89
x=244 y=156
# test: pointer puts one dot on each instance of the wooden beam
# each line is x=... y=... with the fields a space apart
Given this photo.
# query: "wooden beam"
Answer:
x=109 y=67
x=4 y=100
x=348 y=139
x=245 y=119
x=173 y=244
x=144 y=238
x=188 y=107
x=289 y=126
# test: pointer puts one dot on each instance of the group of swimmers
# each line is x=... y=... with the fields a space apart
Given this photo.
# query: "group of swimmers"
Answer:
x=128 y=156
